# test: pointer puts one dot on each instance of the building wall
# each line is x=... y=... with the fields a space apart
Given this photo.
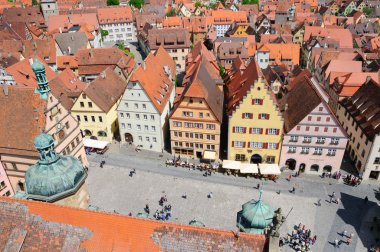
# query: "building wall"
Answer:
x=359 y=146
x=262 y=58
x=373 y=160
x=179 y=56
x=138 y=117
x=65 y=130
x=235 y=150
x=189 y=140
x=80 y=199
x=107 y=123
x=5 y=185
x=119 y=32
x=15 y=167
x=221 y=29
x=319 y=123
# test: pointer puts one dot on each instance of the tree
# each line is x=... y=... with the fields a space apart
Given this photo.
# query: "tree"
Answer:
x=198 y=4
x=34 y=2
x=171 y=13
x=112 y=2
x=222 y=70
x=136 y=3
x=367 y=11
x=250 y=2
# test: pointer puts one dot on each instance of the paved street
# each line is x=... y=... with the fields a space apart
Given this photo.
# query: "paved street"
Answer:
x=111 y=189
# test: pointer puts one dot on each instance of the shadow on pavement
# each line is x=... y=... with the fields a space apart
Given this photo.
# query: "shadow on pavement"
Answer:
x=361 y=216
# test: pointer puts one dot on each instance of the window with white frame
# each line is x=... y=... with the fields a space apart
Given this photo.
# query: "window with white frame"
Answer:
x=129 y=126
x=121 y=115
x=210 y=126
x=136 y=106
x=152 y=117
x=307 y=139
x=140 y=138
x=264 y=116
x=272 y=146
x=293 y=138
x=144 y=106
x=137 y=116
x=187 y=113
x=256 y=130
x=145 y=117
x=147 y=139
x=272 y=131
x=138 y=127
x=318 y=151
x=127 y=115
x=153 y=128
x=154 y=140
x=123 y=125
x=256 y=145
x=334 y=140
x=331 y=152
x=177 y=124
x=321 y=140
x=146 y=127
x=239 y=129
x=292 y=149
x=238 y=144
x=305 y=150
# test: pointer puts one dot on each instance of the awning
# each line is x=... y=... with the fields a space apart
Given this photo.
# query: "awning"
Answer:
x=91 y=143
x=209 y=155
x=231 y=164
x=249 y=168
x=269 y=169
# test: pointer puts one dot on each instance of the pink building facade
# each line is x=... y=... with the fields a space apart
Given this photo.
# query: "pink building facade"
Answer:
x=4 y=183
x=314 y=142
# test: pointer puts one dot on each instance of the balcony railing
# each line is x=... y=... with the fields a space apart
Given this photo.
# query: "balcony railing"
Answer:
x=320 y=142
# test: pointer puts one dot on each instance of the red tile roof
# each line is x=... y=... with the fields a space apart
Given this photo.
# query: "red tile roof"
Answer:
x=23 y=109
x=344 y=36
x=110 y=15
x=23 y=74
x=158 y=85
x=51 y=227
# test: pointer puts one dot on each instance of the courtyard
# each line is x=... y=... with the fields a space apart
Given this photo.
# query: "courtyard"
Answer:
x=112 y=189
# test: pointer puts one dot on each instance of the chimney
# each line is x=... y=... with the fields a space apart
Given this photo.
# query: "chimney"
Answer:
x=91 y=53
x=103 y=75
x=60 y=29
x=143 y=65
x=30 y=61
x=5 y=90
x=69 y=49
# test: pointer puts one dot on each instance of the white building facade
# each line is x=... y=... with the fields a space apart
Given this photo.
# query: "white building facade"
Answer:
x=140 y=122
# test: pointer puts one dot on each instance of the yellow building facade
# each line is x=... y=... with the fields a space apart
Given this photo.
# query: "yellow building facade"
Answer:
x=94 y=122
x=255 y=124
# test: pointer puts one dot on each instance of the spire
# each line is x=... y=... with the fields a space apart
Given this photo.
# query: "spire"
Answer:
x=39 y=70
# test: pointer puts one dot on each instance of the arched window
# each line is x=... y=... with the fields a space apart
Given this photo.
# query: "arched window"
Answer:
x=314 y=167
x=102 y=133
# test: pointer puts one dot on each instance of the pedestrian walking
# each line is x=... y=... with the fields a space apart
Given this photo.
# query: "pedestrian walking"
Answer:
x=349 y=240
x=345 y=233
x=336 y=243
x=365 y=200
x=319 y=202
x=351 y=235
x=258 y=186
x=294 y=190
x=184 y=196
x=210 y=195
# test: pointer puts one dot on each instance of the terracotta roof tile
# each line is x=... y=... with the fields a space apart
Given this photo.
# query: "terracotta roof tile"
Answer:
x=67 y=21
x=157 y=84
x=53 y=226
x=23 y=74
x=24 y=110
x=45 y=49
x=344 y=36
x=64 y=62
x=106 y=90
x=111 y=15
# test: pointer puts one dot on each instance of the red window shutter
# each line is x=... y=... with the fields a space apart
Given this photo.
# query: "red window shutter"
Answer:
x=261 y=101
x=261 y=130
x=334 y=130
x=277 y=145
x=259 y=116
x=253 y=101
x=233 y=129
x=250 y=131
x=268 y=116
x=265 y=145
x=266 y=131
x=243 y=115
x=243 y=144
x=251 y=116
x=245 y=129
x=278 y=132
x=233 y=143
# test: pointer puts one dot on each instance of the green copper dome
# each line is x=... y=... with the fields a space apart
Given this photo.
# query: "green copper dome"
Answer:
x=43 y=141
x=53 y=176
x=37 y=66
x=255 y=216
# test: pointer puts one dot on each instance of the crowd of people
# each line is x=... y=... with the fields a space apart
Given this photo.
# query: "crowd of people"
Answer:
x=352 y=180
x=165 y=213
x=300 y=239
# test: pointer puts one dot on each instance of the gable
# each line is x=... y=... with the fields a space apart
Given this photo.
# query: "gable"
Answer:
x=77 y=105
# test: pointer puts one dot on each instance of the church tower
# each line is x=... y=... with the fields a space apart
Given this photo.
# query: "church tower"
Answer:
x=49 y=8
x=55 y=178
x=43 y=86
